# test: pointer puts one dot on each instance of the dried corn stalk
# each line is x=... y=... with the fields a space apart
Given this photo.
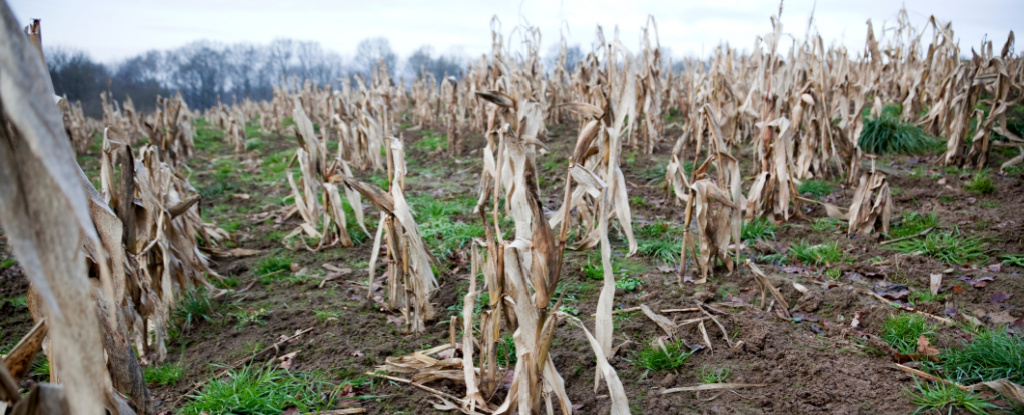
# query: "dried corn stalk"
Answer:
x=45 y=214
x=158 y=210
x=411 y=282
x=319 y=184
x=718 y=211
x=597 y=149
x=872 y=203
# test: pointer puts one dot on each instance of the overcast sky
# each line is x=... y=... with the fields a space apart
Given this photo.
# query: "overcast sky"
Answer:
x=113 y=30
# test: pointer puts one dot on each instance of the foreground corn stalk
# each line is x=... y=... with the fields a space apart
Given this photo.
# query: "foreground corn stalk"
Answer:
x=520 y=277
x=47 y=218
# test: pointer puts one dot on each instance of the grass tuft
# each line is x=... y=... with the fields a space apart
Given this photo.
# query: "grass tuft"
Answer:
x=888 y=134
x=654 y=358
x=190 y=308
x=912 y=223
x=260 y=392
x=270 y=268
x=827 y=225
x=822 y=254
x=656 y=229
x=950 y=247
x=629 y=284
x=324 y=315
x=165 y=374
x=760 y=228
x=902 y=331
x=940 y=396
x=992 y=354
x=663 y=250
x=713 y=376
x=981 y=183
x=816 y=188
x=249 y=315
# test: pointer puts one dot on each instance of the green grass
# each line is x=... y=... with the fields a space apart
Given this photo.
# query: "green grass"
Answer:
x=821 y=254
x=652 y=358
x=271 y=268
x=924 y=296
x=833 y=274
x=714 y=376
x=760 y=228
x=664 y=250
x=1013 y=259
x=592 y=269
x=992 y=354
x=828 y=225
x=981 y=183
x=249 y=315
x=20 y=301
x=324 y=315
x=816 y=188
x=275 y=166
x=888 y=134
x=629 y=284
x=229 y=281
x=940 y=396
x=41 y=366
x=207 y=137
x=428 y=208
x=260 y=392
x=656 y=229
x=165 y=374
x=431 y=142
x=949 y=247
x=637 y=202
x=7 y=263
x=443 y=238
x=506 y=351
x=191 y=307
x=656 y=174
x=913 y=223
x=569 y=310
x=902 y=330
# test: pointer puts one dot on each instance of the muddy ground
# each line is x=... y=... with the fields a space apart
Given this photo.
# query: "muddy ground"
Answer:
x=813 y=363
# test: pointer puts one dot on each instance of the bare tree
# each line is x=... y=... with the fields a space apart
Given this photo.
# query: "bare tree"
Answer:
x=280 y=55
x=198 y=73
x=423 y=60
x=76 y=75
x=371 y=52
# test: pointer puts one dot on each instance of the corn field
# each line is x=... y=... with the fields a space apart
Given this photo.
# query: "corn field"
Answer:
x=816 y=228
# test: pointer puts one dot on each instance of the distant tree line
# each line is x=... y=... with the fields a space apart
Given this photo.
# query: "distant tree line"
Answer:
x=204 y=70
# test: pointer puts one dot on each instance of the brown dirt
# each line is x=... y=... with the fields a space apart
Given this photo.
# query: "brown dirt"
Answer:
x=816 y=364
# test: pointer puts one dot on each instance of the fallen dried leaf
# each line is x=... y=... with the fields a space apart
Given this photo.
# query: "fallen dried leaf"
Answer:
x=924 y=347
x=979 y=282
x=891 y=291
x=287 y=360
x=999 y=296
